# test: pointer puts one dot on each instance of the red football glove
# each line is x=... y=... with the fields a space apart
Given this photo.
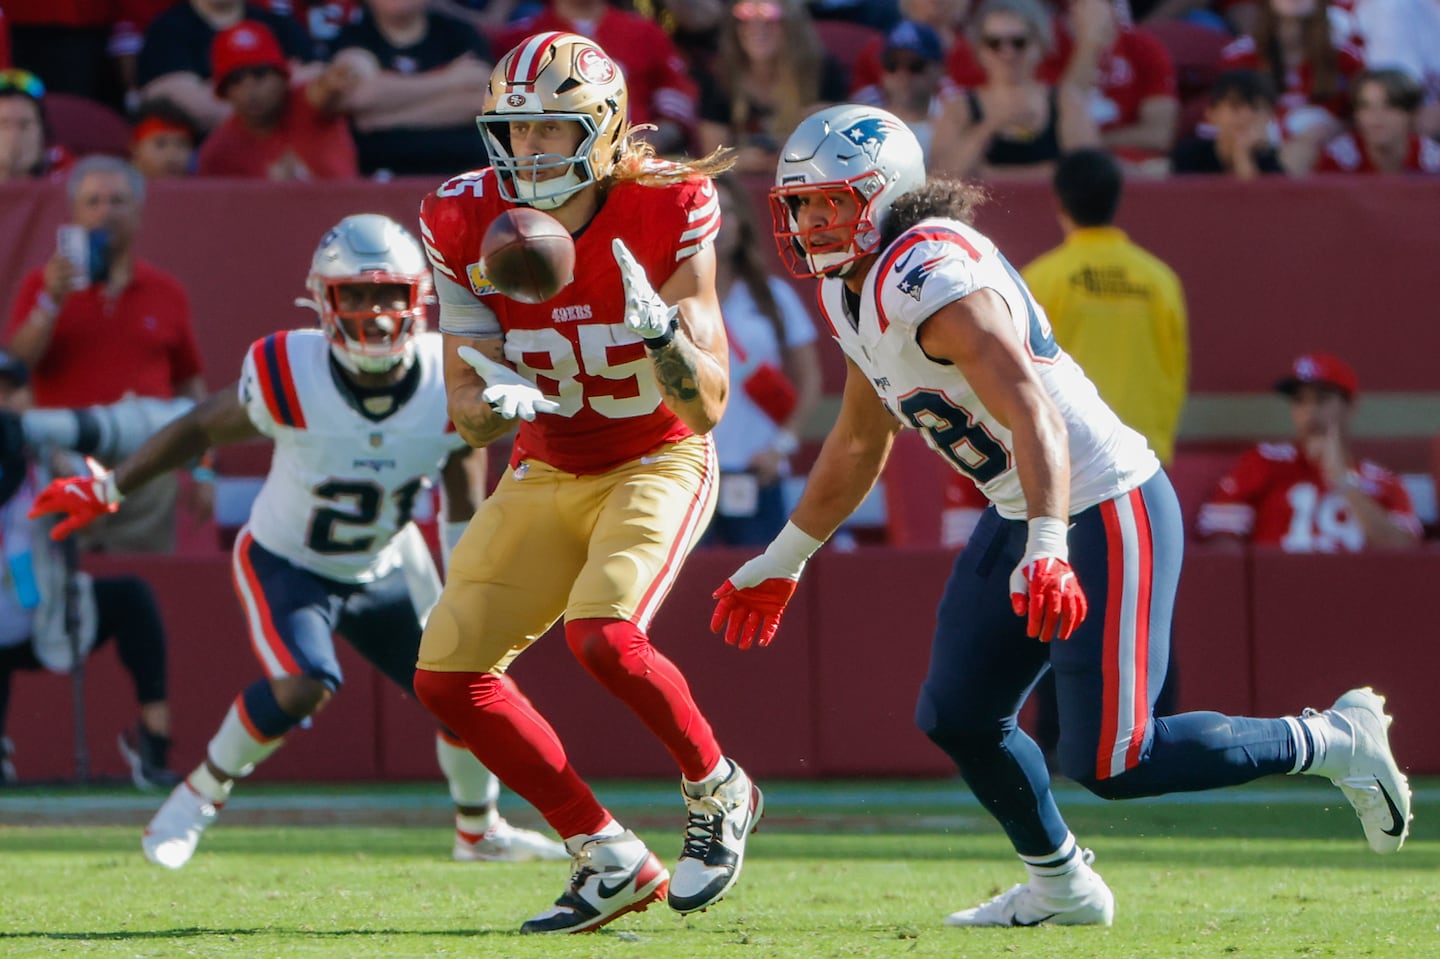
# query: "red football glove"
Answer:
x=1046 y=592
x=751 y=613
x=81 y=498
x=750 y=603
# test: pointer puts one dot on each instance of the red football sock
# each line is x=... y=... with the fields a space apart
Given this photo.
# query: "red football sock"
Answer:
x=512 y=739
x=620 y=656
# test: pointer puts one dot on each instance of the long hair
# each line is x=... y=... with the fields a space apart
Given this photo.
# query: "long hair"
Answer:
x=637 y=161
x=748 y=261
x=954 y=199
x=801 y=65
x=1319 y=49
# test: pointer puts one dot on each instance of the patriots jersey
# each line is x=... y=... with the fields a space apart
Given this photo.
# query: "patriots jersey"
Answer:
x=1275 y=496
x=575 y=346
x=935 y=263
x=341 y=485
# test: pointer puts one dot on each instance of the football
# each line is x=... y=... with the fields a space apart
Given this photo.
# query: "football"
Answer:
x=527 y=255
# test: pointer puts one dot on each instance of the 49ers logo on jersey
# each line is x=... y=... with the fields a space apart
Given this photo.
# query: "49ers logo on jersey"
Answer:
x=594 y=67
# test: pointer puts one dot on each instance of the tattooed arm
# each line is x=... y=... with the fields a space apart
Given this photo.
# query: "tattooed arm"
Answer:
x=693 y=369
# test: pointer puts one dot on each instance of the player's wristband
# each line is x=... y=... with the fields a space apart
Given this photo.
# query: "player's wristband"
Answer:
x=791 y=549
x=653 y=343
x=1048 y=536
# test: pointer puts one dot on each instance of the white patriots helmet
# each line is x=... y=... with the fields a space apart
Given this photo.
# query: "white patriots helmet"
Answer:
x=865 y=150
x=554 y=76
x=369 y=248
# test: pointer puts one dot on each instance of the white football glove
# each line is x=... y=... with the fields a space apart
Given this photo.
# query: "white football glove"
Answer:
x=645 y=313
x=508 y=393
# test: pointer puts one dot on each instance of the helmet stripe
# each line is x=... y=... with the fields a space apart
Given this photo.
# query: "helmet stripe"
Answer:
x=527 y=60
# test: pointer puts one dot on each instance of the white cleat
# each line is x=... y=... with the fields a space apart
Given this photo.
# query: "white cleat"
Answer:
x=1358 y=759
x=503 y=842
x=1090 y=903
x=610 y=877
x=721 y=818
x=174 y=832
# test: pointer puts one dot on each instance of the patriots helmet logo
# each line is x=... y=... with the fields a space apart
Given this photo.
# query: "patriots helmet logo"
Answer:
x=869 y=134
x=913 y=281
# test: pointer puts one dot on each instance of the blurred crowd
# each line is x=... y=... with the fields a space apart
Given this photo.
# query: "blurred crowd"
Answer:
x=302 y=89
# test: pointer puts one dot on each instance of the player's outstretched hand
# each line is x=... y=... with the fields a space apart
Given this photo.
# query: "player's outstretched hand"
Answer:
x=1045 y=591
x=749 y=605
x=645 y=313
x=509 y=394
x=81 y=498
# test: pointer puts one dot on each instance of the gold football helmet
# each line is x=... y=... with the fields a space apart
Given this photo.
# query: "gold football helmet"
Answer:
x=556 y=76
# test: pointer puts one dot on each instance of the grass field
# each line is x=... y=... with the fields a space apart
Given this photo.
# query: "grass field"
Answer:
x=1277 y=870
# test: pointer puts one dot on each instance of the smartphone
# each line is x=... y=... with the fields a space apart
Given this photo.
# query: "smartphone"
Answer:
x=73 y=243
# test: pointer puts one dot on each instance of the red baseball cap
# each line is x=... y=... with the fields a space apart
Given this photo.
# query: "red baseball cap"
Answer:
x=1321 y=369
x=247 y=44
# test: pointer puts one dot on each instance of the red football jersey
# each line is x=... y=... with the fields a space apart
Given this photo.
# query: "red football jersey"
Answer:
x=1299 y=84
x=575 y=346
x=1276 y=497
x=1347 y=154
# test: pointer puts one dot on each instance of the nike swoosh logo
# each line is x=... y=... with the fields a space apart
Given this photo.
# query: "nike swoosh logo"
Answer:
x=900 y=267
x=738 y=830
x=1017 y=922
x=1395 y=816
x=610 y=890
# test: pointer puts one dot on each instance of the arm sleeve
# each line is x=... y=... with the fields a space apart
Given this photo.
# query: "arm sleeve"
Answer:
x=461 y=314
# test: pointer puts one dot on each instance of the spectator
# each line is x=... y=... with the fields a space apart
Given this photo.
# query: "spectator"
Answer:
x=1406 y=34
x=1134 y=99
x=1237 y=138
x=162 y=140
x=771 y=72
x=879 y=14
x=1115 y=308
x=420 y=78
x=1015 y=123
x=174 y=60
x=1387 y=104
x=911 y=81
x=1313 y=494
x=947 y=19
x=25 y=153
x=275 y=130
x=661 y=90
x=121 y=328
x=488 y=16
x=774 y=362
x=33 y=610
x=1312 y=76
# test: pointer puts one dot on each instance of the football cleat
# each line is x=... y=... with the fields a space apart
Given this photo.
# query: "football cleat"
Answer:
x=145 y=753
x=1089 y=903
x=174 y=832
x=611 y=876
x=722 y=815
x=1357 y=758
x=503 y=842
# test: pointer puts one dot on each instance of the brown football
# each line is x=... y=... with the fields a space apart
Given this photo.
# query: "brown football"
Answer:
x=527 y=255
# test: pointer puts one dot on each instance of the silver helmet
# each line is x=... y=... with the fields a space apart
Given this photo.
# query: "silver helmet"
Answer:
x=361 y=249
x=863 y=150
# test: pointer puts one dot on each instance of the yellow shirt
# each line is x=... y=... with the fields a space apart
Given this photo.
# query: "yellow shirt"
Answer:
x=1120 y=313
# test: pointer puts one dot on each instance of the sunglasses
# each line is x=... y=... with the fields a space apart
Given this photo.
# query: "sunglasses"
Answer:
x=909 y=65
x=757 y=10
x=1016 y=42
x=22 y=81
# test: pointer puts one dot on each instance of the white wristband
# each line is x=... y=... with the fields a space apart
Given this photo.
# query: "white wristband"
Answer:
x=791 y=548
x=1048 y=536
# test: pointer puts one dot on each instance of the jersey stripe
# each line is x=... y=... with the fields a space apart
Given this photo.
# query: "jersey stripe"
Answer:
x=277 y=383
x=697 y=515
x=1125 y=703
x=527 y=60
x=265 y=639
x=704 y=224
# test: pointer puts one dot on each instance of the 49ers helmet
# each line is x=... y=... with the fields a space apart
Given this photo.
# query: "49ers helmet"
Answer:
x=865 y=150
x=556 y=76
x=369 y=248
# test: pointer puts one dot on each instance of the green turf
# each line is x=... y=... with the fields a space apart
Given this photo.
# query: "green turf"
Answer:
x=1278 y=870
